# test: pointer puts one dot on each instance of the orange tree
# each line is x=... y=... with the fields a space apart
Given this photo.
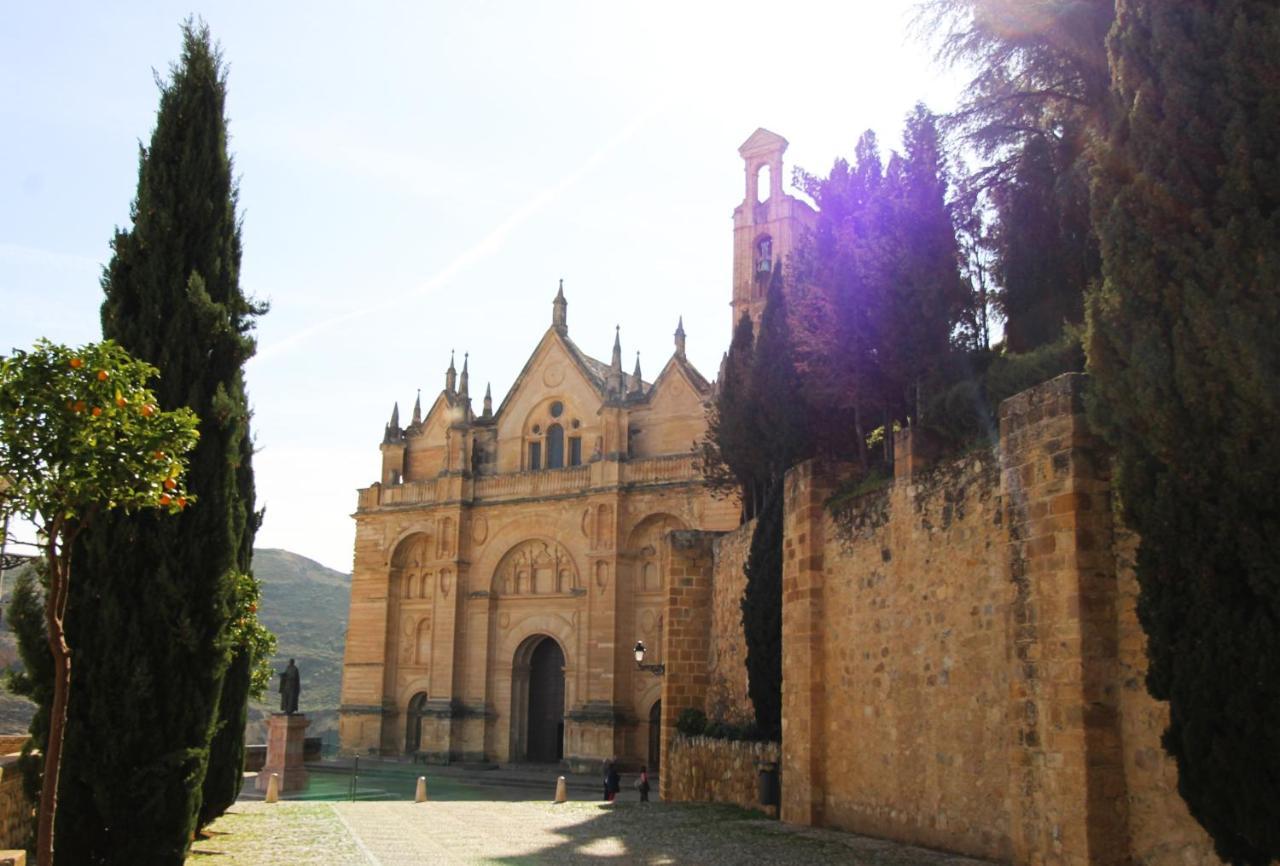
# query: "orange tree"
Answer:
x=80 y=433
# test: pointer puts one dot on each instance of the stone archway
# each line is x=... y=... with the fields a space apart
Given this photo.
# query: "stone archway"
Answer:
x=537 y=700
x=413 y=722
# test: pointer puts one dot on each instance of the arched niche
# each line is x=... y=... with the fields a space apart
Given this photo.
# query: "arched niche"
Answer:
x=535 y=567
x=644 y=545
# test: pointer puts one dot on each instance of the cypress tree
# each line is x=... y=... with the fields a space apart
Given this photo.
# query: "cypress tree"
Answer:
x=150 y=617
x=785 y=439
x=732 y=461
x=1183 y=349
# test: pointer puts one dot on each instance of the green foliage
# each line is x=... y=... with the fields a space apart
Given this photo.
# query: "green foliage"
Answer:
x=80 y=433
x=158 y=626
x=762 y=616
x=34 y=680
x=249 y=636
x=731 y=454
x=691 y=722
x=877 y=290
x=1183 y=351
x=966 y=412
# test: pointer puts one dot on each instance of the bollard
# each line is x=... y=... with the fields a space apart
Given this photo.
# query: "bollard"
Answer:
x=562 y=790
x=421 y=795
x=273 y=788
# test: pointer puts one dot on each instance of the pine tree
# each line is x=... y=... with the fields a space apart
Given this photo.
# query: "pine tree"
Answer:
x=151 y=618
x=1183 y=350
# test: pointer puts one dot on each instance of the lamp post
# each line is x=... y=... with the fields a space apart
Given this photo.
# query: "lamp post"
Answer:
x=656 y=670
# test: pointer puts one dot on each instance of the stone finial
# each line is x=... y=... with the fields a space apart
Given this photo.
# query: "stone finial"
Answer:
x=450 y=375
x=462 y=383
x=417 y=408
x=637 y=384
x=614 y=381
x=680 y=337
x=392 y=431
x=488 y=401
x=559 y=311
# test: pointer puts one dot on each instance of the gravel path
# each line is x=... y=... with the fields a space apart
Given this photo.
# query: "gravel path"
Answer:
x=488 y=832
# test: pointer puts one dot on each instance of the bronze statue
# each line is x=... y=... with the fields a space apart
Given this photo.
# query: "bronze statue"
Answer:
x=290 y=687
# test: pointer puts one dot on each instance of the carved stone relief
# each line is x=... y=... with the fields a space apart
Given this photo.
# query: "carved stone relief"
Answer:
x=535 y=567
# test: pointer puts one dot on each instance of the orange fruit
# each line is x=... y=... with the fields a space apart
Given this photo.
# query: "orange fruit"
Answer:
x=182 y=502
x=79 y=407
x=148 y=410
x=97 y=410
x=102 y=375
x=120 y=402
x=76 y=363
x=169 y=484
x=165 y=499
x=159 y=455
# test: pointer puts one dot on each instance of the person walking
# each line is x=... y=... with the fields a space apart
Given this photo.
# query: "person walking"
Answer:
x=612 y=783
x=642 y=784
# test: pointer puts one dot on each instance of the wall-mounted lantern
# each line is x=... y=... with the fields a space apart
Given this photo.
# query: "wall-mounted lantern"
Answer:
x=657 y=670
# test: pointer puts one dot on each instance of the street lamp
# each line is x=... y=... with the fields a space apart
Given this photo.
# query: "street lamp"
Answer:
x=657 y=670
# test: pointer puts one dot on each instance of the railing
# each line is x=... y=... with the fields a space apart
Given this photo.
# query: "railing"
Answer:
x=543 y=483
x=409 y=493
x=549 y=482
x=656 y=470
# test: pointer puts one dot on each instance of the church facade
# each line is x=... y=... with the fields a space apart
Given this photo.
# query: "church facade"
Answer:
x=506 y=563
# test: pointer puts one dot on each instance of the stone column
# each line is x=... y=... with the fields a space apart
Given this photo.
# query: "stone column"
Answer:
x=807 y=488
x=686 y=636
x=285 y=740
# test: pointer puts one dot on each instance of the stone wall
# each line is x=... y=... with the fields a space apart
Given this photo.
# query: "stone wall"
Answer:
x=702 y=769
x=727 y=698
x=16 y=810
x=962 y=662
x=962 y=665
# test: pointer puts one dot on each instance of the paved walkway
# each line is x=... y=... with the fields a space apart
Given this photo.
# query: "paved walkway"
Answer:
x=493 y=832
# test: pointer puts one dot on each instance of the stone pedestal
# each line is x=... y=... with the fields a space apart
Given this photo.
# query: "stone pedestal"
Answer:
x=285 y=735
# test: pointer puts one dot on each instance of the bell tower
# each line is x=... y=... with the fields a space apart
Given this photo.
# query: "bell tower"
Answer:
x=766 y=225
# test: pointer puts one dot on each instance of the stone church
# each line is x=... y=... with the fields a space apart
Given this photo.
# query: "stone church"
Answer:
x=507 y=562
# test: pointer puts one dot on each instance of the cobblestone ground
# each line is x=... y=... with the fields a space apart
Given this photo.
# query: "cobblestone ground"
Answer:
x=488 y=832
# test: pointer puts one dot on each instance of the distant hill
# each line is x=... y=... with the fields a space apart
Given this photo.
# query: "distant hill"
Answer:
x=303 y=602
x=306 y=605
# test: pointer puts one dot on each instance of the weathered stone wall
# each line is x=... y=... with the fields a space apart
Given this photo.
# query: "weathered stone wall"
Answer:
x=15 y=809
x=907 y=660
x=727 y=697
x=719 y=771
x=962 y=666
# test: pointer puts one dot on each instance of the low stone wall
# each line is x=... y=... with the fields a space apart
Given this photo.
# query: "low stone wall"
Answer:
x=701 y=769
x=15 y=809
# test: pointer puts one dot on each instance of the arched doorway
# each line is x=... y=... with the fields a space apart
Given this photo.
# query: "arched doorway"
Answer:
x=413 y=722
x=655 y=736
x=545 y=737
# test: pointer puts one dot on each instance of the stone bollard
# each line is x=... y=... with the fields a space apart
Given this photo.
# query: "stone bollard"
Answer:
x=273 y=788
x=420 y=796
x=562 y=790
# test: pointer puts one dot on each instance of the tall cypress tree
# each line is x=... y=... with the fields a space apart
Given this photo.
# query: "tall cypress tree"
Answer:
x=785 y=439
x=1184 y=354
x=150 y=618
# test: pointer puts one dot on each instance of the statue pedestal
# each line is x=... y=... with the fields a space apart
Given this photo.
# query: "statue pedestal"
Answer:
x=285 y=735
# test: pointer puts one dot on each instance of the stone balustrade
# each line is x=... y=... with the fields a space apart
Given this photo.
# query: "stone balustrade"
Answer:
x=667 y=469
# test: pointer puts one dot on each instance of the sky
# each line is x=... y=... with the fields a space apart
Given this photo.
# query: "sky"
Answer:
x=416 y=178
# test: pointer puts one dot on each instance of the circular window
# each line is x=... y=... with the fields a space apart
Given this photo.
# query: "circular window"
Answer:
x=576 y=424
x=557 y=409
x=537 y=428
